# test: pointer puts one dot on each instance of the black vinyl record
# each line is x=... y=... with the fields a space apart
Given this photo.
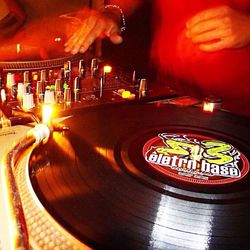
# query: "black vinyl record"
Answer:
x=97 y=181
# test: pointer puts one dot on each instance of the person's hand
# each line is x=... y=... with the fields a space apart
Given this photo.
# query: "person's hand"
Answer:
x=219 y=28
x=89 y=25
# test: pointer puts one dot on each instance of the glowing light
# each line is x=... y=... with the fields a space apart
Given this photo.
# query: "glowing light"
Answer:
x=47 y=111
x=35 y=77
x=131 y=97
x=28 y=101
x=107 y=69
x=21 y=90
x=126 y=94
x=18 y=48
x=3 y=95
x=5 y=122
x=10 y=81
x=120 y=91
x=57 y=39
x=208 y=106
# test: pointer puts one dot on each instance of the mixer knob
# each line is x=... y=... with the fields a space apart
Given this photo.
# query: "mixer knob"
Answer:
x=143 y=85
x=77 y=89
x=77 y=83
x=101 y=86
x=39 y=88
x=28 y=101
x=11 y=85
x=68 y=66
x=58 y=90
x=58 y=85
x=94 y=67
x=67 y=95
x=28 y=86
x=82 y=69
x=21 y=90
x=67 y=70
x=10 y=80
x=94 y=63
x=211 y=103
x=49 y=97
x=26 y=77
x=40 y=91
x=43 y=75
x=142 y=88
x=134 y=78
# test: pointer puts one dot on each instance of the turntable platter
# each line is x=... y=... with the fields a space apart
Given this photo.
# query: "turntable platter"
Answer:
x=96 y=180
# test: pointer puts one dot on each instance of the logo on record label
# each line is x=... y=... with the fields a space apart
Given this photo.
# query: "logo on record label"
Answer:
x=195 y=158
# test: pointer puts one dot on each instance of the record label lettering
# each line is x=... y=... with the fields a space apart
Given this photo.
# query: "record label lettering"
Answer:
x=195 y=158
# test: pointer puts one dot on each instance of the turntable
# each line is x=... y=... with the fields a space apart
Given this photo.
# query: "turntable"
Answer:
x=138 y=176
x=120 y=166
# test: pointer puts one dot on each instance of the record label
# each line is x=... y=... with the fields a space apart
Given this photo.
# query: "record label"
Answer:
x=195 y=158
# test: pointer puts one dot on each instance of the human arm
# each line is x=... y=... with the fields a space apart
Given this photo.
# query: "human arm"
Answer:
x=103 y=23
x=219 y=28
x=11 y=17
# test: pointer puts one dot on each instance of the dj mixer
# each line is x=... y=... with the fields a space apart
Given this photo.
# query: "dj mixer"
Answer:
x=73 y=82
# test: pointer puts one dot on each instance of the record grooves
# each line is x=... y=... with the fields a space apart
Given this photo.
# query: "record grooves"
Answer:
x=97 y=183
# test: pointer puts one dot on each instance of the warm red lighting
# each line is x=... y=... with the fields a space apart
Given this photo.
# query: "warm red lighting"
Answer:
x=208 y=106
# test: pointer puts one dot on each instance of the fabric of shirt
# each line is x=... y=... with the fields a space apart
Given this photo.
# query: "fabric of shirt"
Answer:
x=224 y=74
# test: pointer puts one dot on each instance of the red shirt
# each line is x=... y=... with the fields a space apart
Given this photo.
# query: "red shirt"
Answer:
x=225 y=74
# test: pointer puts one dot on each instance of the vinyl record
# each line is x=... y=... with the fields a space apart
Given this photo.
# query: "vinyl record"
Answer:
x=147 y=176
